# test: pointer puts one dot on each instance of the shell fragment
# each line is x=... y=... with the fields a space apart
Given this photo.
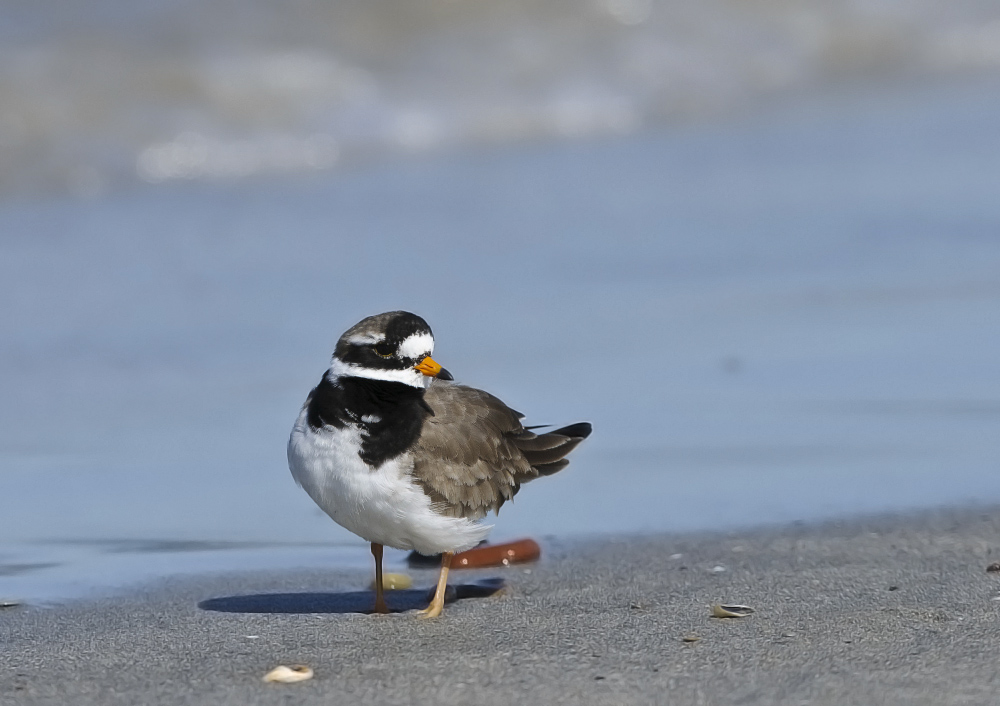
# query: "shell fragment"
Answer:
x=731 y=610
x=394 y=582
x=289 y=675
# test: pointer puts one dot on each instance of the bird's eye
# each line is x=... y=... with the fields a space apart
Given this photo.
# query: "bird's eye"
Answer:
x=384 y=350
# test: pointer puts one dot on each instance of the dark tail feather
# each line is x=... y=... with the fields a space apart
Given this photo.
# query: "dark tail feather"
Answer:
x=580 y=430
x=547 y=452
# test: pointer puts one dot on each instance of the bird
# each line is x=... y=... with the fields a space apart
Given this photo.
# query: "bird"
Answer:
x=394 y=450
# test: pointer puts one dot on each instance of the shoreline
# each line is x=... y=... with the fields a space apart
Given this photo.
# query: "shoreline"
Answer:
x=886 y=609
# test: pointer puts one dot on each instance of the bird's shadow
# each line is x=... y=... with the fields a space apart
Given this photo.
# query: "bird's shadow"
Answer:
x=346 y=601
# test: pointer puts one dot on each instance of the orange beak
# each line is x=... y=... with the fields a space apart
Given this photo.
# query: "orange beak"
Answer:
x=429 y=367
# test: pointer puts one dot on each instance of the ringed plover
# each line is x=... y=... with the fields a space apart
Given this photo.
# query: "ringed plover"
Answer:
x=395 y=451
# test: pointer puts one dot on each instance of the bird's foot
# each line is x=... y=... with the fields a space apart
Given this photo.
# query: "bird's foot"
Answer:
x=431 y=611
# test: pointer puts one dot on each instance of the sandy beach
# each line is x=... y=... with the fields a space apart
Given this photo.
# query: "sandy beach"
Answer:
x=754 y=244
x=886 y=610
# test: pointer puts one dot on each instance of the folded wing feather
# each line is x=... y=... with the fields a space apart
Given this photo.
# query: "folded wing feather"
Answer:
x=473 y=454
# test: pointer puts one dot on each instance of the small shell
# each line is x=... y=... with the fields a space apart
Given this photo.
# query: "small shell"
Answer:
x=289 y=675
x=731 y=610
x=690 y=638
x=394 y=582
x=497 y=555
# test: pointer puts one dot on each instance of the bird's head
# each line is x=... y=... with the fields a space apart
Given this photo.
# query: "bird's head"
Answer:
x=395 y=346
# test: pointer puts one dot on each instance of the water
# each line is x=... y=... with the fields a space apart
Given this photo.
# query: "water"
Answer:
x=96 y=96
x=780 y=311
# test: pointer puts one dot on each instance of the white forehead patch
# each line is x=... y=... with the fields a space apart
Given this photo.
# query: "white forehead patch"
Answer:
x=365 y=339
x=416 y=345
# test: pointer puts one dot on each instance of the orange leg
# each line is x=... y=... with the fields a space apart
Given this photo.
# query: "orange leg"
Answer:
x=437 y=603
x=380 y=606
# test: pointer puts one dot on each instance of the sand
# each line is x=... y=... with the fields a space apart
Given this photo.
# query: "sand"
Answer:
x=886 y=610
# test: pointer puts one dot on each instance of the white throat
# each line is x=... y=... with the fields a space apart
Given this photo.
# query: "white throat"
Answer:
x=407 y=376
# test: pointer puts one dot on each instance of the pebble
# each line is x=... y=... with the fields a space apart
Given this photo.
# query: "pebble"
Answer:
x=718 y=569
x=289 y=675
x=994 y=567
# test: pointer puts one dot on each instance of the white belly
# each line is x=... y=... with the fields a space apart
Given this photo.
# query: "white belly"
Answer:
x=381 y=505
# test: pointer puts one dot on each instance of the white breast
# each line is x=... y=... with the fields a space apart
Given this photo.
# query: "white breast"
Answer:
x=381 y=505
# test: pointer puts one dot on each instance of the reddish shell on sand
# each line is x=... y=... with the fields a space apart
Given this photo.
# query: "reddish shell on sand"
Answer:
x=504 y=554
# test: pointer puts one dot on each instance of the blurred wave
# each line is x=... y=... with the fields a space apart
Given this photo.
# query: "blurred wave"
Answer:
x=96 y=95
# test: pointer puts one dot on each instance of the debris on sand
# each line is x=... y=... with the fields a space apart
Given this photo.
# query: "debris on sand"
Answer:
x=485 y=555
x=394 y=582
x=731 y=610
x=289 y=675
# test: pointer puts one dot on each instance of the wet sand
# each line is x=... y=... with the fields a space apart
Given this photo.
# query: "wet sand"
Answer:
x=887 y=610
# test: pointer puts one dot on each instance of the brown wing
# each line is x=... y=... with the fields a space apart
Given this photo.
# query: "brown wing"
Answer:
x=473 y=454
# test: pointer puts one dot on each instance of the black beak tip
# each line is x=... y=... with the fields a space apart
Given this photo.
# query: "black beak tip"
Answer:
x=444 y=375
